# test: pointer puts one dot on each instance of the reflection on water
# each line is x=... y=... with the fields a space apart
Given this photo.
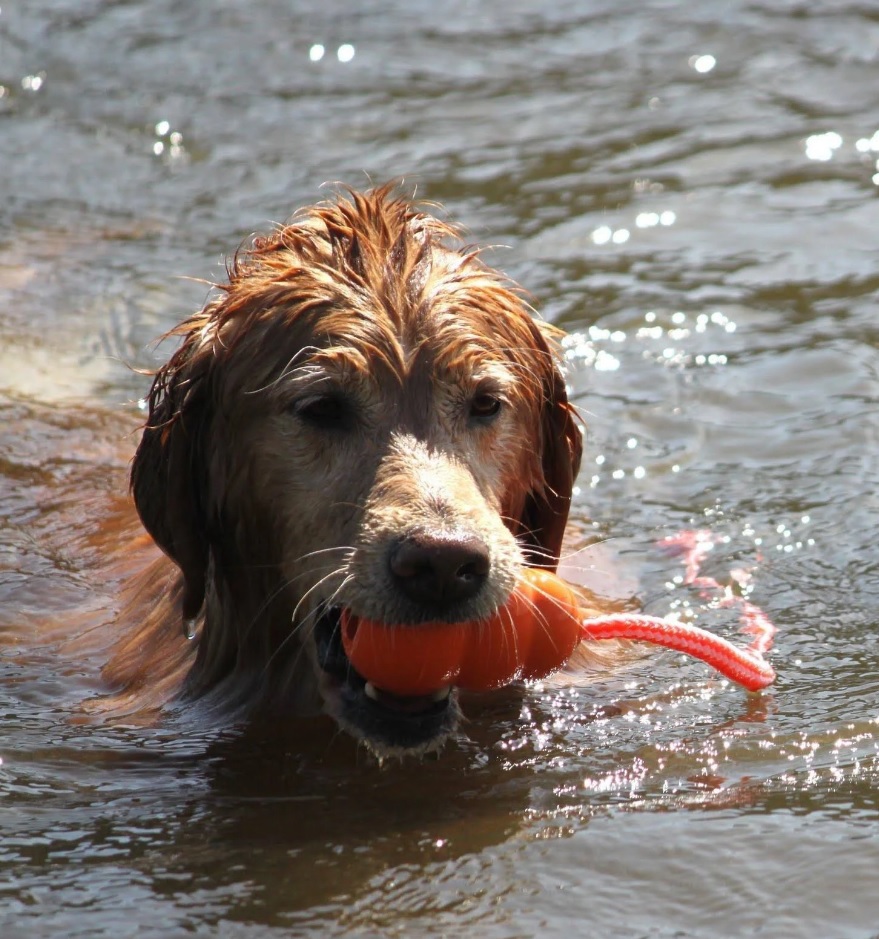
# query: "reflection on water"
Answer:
x=690 y=192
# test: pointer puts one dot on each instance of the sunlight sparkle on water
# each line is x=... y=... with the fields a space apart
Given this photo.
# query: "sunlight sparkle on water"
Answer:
x=702 y=63
x=33 y=82
x=169 y=144
x=822 y=147
x=652 y=219
x=605 y=234
x=586 y=347
x=868 y=144
x=581 y=347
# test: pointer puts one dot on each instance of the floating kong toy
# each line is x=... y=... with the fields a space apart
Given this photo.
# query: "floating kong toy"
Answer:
x=532 y=635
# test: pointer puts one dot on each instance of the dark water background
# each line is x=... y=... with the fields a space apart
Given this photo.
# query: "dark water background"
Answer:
x=690 y=189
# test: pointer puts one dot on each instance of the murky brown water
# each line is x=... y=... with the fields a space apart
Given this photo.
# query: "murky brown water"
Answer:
x=691 y=190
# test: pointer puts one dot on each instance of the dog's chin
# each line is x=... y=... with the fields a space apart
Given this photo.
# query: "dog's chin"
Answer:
x=388 y=725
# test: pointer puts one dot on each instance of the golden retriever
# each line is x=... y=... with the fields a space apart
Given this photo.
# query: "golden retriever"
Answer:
x=364 y=416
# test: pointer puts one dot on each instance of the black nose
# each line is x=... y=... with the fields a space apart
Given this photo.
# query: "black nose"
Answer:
x=439 y=569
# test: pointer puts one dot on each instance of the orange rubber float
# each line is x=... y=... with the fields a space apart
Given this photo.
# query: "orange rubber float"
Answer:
x=531 y=636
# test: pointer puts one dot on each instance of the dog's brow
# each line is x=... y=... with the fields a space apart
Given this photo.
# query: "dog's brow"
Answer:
x=342 y=366
x=298 y=364
x=308 y=375
x=492 y=373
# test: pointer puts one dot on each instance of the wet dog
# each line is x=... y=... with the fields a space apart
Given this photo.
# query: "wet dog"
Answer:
x=364 y=416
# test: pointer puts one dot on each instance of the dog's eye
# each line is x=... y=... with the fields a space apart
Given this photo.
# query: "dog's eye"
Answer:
x=329 y=412
x=484 y=406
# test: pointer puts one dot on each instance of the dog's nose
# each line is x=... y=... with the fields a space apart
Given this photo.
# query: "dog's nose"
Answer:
x=440 y=569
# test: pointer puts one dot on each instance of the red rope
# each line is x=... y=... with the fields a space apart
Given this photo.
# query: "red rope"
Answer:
x=746 y=666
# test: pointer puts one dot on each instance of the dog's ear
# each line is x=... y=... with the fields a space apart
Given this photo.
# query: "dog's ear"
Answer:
x=546 y=507
x=166 y=474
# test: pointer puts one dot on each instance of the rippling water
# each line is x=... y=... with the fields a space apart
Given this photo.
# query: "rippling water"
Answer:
x=691 y=191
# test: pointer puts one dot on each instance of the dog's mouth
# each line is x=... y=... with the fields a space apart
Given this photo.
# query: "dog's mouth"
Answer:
x=389 y=724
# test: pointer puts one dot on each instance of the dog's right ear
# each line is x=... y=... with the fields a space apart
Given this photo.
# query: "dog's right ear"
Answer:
x=545 y=512
x=167 y=472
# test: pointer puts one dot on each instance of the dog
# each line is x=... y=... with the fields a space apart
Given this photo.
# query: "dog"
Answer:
x=364 y=416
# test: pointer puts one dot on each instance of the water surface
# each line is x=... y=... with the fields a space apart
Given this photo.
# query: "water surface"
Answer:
x=690 y=190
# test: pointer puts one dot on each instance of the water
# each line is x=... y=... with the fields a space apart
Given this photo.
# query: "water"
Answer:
x=689 y=190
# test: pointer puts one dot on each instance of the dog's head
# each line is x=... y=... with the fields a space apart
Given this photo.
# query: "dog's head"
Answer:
x=366 y=416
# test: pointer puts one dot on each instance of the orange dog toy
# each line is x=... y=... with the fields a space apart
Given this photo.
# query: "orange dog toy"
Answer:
x=532 y=635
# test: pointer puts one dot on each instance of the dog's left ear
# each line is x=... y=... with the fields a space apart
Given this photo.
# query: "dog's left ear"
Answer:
x=545 y=511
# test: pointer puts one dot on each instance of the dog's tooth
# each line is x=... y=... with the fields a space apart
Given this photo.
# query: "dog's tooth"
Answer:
x=369 y=691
